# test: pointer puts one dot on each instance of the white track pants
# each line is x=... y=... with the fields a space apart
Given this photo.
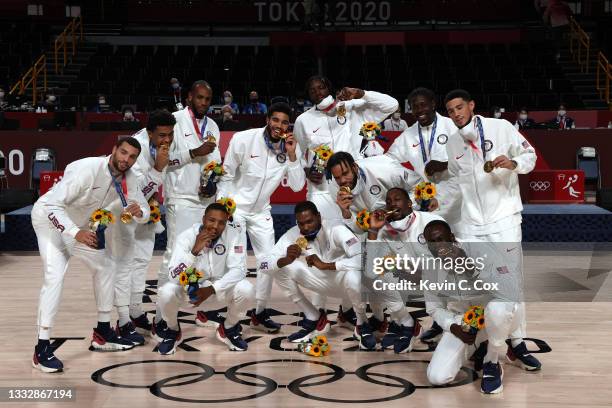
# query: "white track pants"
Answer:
x=171 y=297
x=56 y=249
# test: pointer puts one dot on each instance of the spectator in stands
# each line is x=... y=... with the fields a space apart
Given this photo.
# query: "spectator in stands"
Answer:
x=176 y=94
x=227 y=121
x=228 y=99
x=128 y=115
x=495 y=112
x=562 y=121
x=300 y=105
x=101 y=105
x=395 y=122
x=51 y=103
x=524 y=121
x=254 y=107
x=3 y=102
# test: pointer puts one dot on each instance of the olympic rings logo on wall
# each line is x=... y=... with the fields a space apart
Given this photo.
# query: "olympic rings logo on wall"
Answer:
x=266 y=385
x=539 y=185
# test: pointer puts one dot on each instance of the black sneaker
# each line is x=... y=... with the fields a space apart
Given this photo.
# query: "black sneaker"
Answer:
x=128 y=332
x=142 y=324
x=109 y=341
x=44 y=359
x=263 y=322
x=209 y=319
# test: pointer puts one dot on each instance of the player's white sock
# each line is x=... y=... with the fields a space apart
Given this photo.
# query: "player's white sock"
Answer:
x=104 y=317
x=515 y=342
x=310 y=312
x=136 y=310
x=44 y=333
x=124 y=315
x=260 y=307
x=492 y=356
x=158 y=313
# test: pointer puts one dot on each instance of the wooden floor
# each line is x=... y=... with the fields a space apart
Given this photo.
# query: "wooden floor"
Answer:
x=577 y=371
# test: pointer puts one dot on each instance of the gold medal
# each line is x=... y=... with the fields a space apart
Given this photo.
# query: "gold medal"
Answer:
x=341 y=110
x=211 y=139
x=126 y=217
x=488 y=166
x=302 y=242
x=345 y=189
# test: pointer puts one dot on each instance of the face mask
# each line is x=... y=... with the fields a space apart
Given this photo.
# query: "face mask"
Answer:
x=227 y=115
x=227 y=99
x=312 y=235
x=300 y=103
x=175 y=85
x=562 y=112
x=324 y=104
x=468 y=132
x=128 y=115
x=51 y=98
x=497 y=115
x=396 y=116
x=523 y=116
x=102 y=101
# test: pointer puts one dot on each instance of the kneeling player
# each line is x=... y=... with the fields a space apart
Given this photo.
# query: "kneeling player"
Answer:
x=214 y=249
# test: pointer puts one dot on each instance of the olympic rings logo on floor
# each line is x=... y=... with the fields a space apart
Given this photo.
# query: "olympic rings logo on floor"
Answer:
x=267 y=385
x=539 y=185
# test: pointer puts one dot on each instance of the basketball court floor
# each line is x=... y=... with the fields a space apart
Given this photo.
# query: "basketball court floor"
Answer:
x=569 y=327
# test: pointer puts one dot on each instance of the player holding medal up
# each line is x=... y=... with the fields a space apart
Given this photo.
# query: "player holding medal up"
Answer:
x=256 y=162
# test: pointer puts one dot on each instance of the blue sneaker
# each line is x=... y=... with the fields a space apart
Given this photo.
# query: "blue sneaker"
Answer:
x=158 y=327
x=379 y=327
x=365 y=335
x=492 y=376
x=392 y=334
x=433 y=334
x=128 y=332
x=107 y=340
x=209 y=319
x=170 y=341
x=263 y=322
x=310 y=328
x=142 y=324
x=231 y=337
x=520 y=356
x=405 y=340
x=346 y=319
x=44 y=359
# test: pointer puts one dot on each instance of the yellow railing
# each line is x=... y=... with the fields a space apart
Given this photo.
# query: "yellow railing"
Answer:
x=582 y=48
x=69 y=34
x=604 y=77
x=31 y=78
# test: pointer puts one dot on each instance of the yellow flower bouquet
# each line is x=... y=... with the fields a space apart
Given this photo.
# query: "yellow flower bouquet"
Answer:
x=363 y=219
x=473 y=319
x=155 y=211
x=316 y=347
x=230 y=204
x=190 y=279
x=99 y=220
x=424 y=192
x=208 y=186
x=321 y=156
x=370 y=131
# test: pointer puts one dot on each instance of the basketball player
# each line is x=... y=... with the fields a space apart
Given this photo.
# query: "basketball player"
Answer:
x=485 y=157
x=215 y=248
x=331 y=267
x=396 y=229
x=323 y=125
x=195 y=145
x=502 y=314
x=256 y=163
x=137 y=241
x=61 y=221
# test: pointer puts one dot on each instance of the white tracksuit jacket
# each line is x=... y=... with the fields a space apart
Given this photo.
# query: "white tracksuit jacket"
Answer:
x=314 y=128
x=182 y=180
x=490 y=201
x=377 y=175
x=334 y=243
x=85 y=187
x=224 y=264
x=253 y=172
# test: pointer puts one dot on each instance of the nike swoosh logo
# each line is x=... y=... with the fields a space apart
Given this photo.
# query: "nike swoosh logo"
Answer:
x=458 y=157
x=415 y=145
x=267 y=219
x=252 y=157
x=49 y=358
x=188 y=134
x=510 y=250
x=316 y=130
